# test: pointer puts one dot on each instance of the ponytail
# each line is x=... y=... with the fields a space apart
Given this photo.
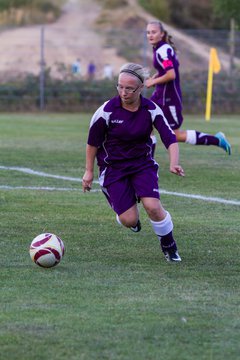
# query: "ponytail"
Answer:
x=168 y=39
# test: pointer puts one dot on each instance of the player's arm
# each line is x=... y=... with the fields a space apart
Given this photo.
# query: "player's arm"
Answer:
x=175 y=168
x=154 y=76
x=169 y=75
x=91 y=152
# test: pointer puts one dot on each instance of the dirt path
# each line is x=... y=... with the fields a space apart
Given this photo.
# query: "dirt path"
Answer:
x=65 y=40
x=73 y=36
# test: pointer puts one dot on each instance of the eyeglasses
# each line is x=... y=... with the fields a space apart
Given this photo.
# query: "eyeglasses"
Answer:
x=128 y=90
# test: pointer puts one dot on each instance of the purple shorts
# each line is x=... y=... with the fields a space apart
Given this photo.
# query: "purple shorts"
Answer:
x=173 y=114
x=125 y=192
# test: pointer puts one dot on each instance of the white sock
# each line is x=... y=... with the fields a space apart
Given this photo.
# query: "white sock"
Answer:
x=163 y=227
x=191 y=137
x=118 y=220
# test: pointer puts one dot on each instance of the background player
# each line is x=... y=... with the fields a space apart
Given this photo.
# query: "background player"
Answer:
x=167 y=92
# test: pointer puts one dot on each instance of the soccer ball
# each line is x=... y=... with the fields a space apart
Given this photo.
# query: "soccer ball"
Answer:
x=46 y=250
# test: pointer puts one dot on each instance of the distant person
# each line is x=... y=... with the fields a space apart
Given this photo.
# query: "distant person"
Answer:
x=119 y=138
x=91 y=71
x=76 y=67
x=107 y=72
x=167 y=92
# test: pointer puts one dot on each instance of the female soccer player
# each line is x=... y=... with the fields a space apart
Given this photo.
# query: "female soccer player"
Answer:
x=119 y=137
x=167 y=92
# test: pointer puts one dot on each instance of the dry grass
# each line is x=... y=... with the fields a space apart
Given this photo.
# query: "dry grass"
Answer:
x=37 y=12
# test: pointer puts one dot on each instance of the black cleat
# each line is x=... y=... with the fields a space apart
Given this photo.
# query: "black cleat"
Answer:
x=172 y=256
x=136 y=228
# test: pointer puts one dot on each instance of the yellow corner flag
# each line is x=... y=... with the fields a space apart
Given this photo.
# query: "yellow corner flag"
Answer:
x=215 y=61
x=214 y=67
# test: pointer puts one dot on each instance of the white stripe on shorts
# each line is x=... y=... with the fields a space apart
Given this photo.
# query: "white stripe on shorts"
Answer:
x=174 y=113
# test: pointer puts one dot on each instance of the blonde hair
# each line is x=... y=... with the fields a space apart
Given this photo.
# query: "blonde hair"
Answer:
x=135 y=70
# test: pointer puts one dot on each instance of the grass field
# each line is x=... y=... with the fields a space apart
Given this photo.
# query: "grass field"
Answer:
x=113 y=296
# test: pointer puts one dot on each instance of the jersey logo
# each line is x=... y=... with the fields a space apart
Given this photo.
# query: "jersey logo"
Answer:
x=116 y=121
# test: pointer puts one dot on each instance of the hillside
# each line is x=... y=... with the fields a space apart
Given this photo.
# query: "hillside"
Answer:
x=80 y=32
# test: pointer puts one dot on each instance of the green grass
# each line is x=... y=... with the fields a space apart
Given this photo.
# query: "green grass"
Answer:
x=113 y=296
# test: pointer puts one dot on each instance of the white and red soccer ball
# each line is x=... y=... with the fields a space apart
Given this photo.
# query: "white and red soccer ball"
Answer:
x=46 y=250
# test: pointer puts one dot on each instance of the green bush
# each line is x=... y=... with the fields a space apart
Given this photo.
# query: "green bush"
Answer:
x=113 y=4
x=159 y=8
x=35 y=11
x=78 y=95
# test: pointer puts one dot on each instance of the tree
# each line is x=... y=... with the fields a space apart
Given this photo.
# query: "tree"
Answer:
x=226 y=10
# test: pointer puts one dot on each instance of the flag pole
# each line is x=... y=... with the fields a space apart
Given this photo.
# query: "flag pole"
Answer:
x=214 y=67
x=209 y=89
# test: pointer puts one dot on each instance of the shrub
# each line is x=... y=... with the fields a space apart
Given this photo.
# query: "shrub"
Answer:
x=78 y=95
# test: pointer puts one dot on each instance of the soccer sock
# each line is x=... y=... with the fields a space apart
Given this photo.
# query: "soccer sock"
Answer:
x=118 y=220
x=199 y=138
x=163 y=230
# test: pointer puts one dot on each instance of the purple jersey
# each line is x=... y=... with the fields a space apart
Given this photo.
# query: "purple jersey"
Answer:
x=123 y=137
x=164 y=59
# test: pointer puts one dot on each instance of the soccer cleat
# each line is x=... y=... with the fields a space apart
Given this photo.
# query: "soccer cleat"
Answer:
x=172 y=256
x=136 y=228
x=223 y=143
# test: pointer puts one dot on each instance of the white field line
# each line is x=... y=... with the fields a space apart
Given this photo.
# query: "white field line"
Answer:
x=40 y=173
x=43 y=188
x=47 y=188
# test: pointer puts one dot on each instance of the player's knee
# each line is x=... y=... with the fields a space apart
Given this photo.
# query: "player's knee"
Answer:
x=151 y=210
x=155 y=211
x=128 y=220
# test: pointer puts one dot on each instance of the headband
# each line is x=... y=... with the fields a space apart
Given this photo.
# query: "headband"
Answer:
x=132 y=72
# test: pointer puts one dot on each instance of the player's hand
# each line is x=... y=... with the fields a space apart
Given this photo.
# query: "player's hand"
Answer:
x=149 y=82
x=178 y=170
x=87 y=181
x=86 y=186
